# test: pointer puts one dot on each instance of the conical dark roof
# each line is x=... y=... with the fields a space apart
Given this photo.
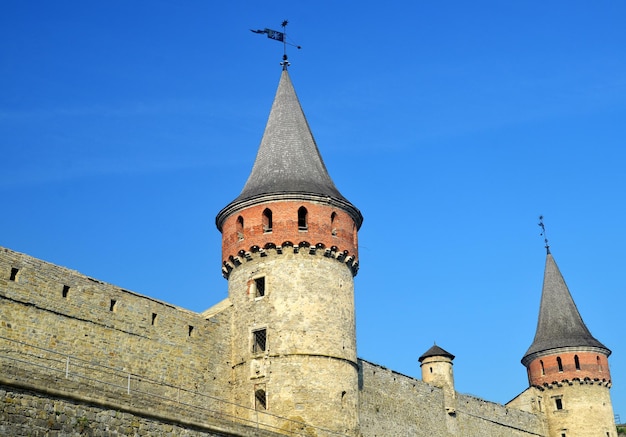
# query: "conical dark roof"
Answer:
x=560 y=325
x=288 y=164
x=435 y=351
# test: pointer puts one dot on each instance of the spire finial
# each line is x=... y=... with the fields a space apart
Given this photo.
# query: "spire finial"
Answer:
x=285 y=63
x=543 y=234
x=279 y=36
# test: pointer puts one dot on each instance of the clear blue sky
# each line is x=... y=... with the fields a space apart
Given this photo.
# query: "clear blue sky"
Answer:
x=126 y=126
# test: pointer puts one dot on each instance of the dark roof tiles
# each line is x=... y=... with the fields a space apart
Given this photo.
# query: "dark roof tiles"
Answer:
x=435 y=351
x=288 y=164
x=560 y=324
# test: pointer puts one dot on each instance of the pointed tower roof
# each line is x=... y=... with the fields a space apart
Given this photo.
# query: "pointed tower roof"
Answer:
x=560 y=325
x=288 y=164
x=435 y=351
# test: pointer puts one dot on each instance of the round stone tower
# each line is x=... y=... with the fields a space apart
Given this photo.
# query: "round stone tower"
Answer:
x=290 y=252
x=568 y=365
x=436 y=364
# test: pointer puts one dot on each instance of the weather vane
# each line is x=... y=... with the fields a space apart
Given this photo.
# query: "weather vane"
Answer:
x=543 y=233
x=281 y=37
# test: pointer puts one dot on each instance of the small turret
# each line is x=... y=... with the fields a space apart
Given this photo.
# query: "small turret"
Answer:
x=436 y=364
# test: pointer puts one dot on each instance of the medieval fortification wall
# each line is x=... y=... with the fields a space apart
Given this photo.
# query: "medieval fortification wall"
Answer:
x=395 y=404
x=81 y=357
x=76 y=349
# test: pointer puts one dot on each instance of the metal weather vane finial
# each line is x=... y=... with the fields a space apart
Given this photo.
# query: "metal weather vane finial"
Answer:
x=279 y=36
x=543 y=233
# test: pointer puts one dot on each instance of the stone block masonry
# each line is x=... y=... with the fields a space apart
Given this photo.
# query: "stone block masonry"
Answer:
x=28 y=413
x=63 y=311
x=394 y=404
x=56 y=322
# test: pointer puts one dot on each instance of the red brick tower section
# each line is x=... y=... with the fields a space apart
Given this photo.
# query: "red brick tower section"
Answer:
x=289 y=225
x=591 y=366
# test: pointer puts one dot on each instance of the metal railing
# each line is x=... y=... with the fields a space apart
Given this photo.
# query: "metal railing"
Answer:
x=33 y=364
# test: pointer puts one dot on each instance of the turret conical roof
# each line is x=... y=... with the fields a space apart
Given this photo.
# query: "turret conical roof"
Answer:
x=560 y=324
x=288 y=164
x=435 y=351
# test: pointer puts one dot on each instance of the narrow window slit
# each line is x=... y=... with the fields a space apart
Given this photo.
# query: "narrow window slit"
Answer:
x=240 y=228
x=14 y=273
x=302 y=219
x=260 y=399
x=153 y=321
x=113 y=305
x=267 y=220
x=66 y=290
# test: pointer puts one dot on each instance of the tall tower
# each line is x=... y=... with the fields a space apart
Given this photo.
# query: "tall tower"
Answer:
x=569 y=365
x=290 y=252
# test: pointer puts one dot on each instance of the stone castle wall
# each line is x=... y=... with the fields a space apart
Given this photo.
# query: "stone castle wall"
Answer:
x=77 y=353
x=66 y=314
x=30 y=413
x=59 y=328
x=394 y=404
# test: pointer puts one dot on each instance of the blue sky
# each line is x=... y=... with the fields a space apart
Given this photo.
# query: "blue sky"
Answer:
x=126 y=126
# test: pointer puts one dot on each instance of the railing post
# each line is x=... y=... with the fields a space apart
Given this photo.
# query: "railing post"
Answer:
x=67 y=367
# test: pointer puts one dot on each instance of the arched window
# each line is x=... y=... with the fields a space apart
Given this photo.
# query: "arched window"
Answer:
x=559 y=363
x=267 y=220
x=576 y=362
x=543 y=370
x=302 y=219
x=333 y=228
x=240 y=227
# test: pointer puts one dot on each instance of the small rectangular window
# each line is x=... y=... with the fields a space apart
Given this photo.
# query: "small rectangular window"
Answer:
x=153 y=321
x=559 y=403
x=190 y=330
x=259 y=341
x=260 y=397
x=112 y=307
x=259 y=286
x=14 y=273
x=66 y=290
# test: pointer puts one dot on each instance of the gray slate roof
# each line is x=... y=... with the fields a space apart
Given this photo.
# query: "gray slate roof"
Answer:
x=288 y=164
x=435 y=351
x=560 y=325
